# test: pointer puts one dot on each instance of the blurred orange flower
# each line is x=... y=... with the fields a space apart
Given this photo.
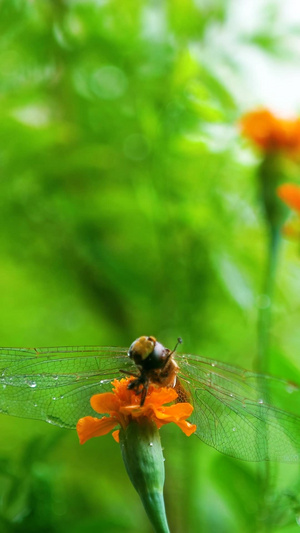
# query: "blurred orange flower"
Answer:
x=124 y=405
x=290 y=195
x=270 y=133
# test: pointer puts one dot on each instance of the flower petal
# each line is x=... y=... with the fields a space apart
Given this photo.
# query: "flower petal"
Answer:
x=161 y=396
x=105 y=402
x=116 y=434
x=89 y=427
x=174 y=412
x=186 y=427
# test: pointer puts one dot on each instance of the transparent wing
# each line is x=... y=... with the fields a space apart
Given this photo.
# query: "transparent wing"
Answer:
x=239 y=413
x=56 y=384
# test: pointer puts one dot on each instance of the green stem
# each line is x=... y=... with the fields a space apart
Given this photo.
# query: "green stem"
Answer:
x=264 y=327
x=265 y=310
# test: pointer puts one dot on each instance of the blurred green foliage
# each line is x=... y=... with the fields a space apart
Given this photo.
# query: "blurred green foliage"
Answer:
x=129 y=206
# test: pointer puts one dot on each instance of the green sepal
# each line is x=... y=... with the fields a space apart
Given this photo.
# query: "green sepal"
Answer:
x=144 y=462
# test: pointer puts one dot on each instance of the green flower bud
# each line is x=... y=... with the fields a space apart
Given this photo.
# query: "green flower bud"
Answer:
x=144 y=462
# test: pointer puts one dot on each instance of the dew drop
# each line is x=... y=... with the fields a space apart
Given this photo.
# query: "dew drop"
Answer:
x=51 y=420
x=4 y=386
x=213 y=364
x=151 y=444
x=260 y=401
x=233 y=429
x=32 y=384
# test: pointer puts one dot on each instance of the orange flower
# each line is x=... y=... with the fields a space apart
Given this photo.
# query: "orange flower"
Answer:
x=290 y=195
x=270 y=133
x=123 y=406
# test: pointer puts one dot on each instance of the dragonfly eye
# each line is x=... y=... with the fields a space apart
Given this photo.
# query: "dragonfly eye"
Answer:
x=157 y=358
x=148 y=353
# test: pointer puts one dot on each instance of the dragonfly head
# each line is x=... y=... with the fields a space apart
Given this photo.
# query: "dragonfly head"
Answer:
x=148 y=353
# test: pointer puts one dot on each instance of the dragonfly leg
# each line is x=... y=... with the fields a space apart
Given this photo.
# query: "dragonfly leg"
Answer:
x=144 y=393
x=140 y=386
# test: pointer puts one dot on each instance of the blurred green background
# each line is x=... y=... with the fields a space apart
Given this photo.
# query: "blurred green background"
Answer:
x=129 y=206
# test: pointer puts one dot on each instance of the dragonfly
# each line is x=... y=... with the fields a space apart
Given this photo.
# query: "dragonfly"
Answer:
x=240 y=413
